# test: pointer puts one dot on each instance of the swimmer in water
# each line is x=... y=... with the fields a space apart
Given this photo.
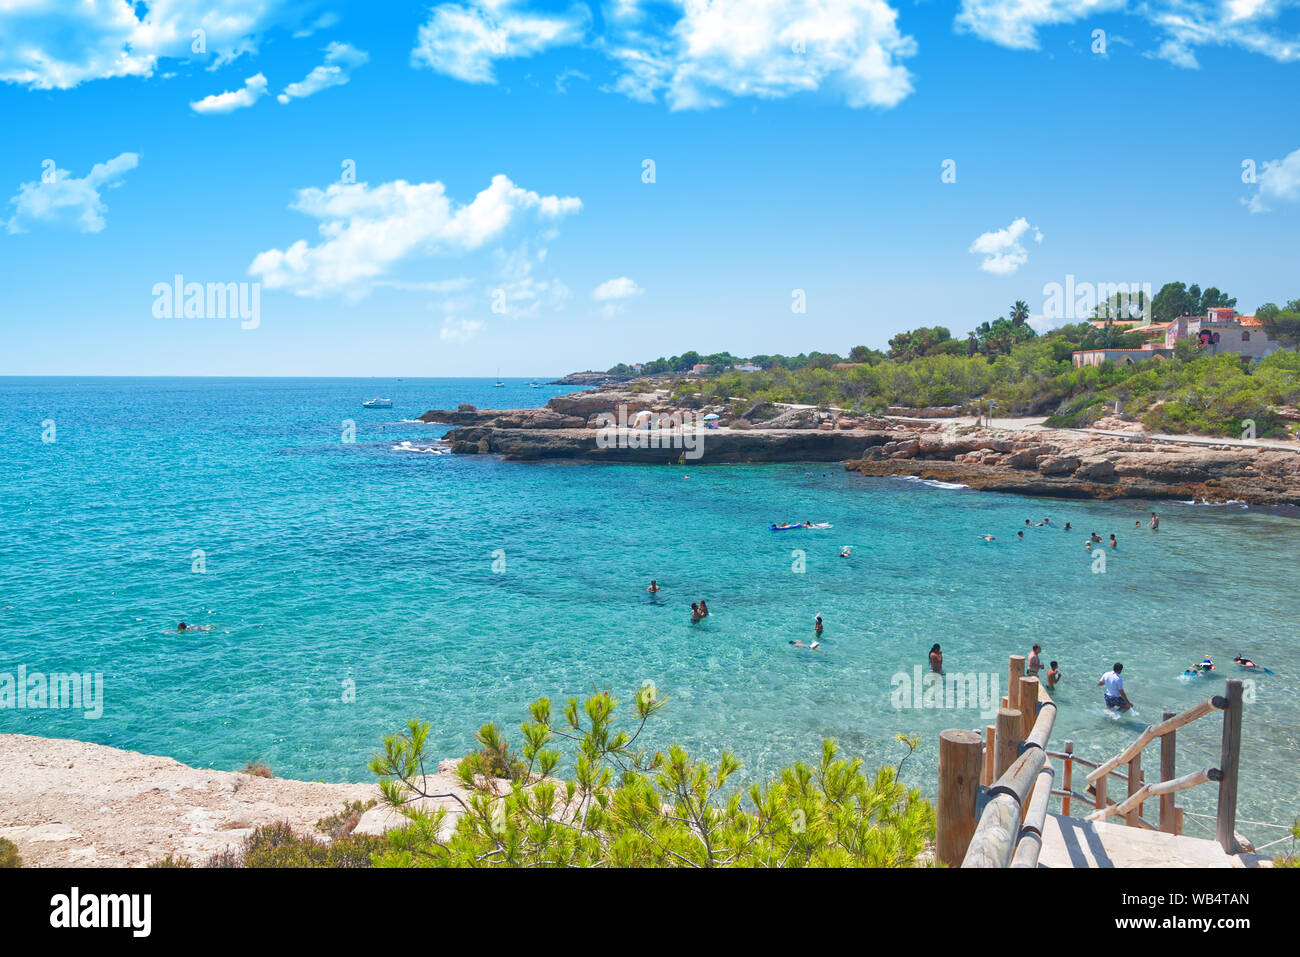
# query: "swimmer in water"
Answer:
x=1020 y=534
x=1088 y=545
x=988 y=538
x=817 y=625
x=184 y=627
x=1113 y=543
x=936 y=659
x=695 y=613
x=1067 y=526
x=815 y=646
x=1154 y=523
x=1053 y=676
x=704 y=609
x=1205 y=664
x=654 y=586
x=846 y=551
x=1247 y=663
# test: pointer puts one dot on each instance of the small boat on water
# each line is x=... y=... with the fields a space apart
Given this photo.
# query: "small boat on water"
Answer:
x=500 y=384
x=786 y=528
x=378 y=404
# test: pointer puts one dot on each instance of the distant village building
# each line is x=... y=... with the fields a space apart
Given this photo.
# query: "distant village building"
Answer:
x=747 y=367
x=700 y=368
x=1121 y=357
x=1220 y=330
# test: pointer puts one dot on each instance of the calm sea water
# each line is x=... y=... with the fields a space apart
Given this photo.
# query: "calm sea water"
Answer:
x=331 y=564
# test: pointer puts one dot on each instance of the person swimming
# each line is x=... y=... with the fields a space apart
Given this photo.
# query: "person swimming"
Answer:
x=704 y=609
x=936 y=658
x=184 y=627
x=696 y=615
x=815 y=646
x=1205 y=664
x=1020 y=534
x=846 y=551
x=1247 y=663
x=1067 y=526
x=988 y=538
x=654 y=586
x=817 y=625
x=1113 y=543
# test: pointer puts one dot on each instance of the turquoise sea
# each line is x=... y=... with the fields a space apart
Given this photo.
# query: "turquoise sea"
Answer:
x=326 y=562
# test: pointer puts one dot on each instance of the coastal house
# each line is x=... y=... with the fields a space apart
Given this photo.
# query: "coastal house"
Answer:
x=1126 y=357
x=700 y=368
x=1223 y=330
x=747 y=367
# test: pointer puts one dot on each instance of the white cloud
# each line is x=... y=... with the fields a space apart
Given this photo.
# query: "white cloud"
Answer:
x=66 y=199
x=340 y=60
x=459 y=330
x=1002 y=249
x=613 y=292
x=710 y=51
x=1181 y=25
x=1279 y=182
x=776 y=48
x=620 y=288
x=464 y=41
x=63 y=43
x=253 y=90
x=323 y=22
x=366 y=232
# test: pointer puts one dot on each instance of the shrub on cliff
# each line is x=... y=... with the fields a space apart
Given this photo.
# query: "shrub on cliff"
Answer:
x=9 y=854
x=628 y=807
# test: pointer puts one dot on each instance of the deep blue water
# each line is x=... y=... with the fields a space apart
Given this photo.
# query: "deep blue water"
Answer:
x=329 y=561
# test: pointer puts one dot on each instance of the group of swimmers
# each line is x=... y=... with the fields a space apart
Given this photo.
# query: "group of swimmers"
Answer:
x=1093 y=537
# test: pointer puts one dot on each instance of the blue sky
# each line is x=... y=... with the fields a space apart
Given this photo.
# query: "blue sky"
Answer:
x=499 y=216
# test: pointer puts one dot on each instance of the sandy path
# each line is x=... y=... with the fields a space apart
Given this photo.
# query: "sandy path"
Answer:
x=69 y=803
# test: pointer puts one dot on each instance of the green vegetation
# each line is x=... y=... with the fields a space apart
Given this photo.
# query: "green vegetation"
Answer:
x=9 y=854
x=1025 y=374
x=628 y=807
x=276 y=845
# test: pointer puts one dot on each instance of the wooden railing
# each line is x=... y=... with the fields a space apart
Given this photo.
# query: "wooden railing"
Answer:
x=994 y=791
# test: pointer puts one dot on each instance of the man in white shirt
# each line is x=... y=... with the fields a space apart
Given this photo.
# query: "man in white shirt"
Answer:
x=1114 y=685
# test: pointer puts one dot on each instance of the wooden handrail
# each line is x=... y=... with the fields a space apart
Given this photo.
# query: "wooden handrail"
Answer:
x=1156 y=730
x=1155 y=790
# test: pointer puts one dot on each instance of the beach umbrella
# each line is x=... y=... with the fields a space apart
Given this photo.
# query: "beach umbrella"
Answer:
x=711 y=416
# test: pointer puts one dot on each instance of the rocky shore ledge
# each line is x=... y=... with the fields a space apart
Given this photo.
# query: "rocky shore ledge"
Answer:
x=72 y=804
x=1028 y=460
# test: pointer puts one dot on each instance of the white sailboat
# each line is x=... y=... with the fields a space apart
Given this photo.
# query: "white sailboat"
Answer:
x=499 y=383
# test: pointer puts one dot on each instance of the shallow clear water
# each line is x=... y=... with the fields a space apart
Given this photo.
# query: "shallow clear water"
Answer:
x=328 y=561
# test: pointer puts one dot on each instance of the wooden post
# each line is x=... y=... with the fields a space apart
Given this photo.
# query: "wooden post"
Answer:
x=1028 y=704
x=1167 y=763
x=1229 y=763
x=990 y=736
x=1015 y=671
x=1100 y=786
x=1134 y=785
x=960 y=762
x=1178 y=820
x=1069 y=772
x=1007 y=740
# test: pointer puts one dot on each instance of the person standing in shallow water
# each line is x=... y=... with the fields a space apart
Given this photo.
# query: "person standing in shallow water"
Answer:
x=936 y=659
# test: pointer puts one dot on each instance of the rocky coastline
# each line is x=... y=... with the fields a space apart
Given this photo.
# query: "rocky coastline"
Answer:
x=1030 y=460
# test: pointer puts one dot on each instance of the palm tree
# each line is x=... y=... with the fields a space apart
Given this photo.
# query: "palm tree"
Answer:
x=1019 y=313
